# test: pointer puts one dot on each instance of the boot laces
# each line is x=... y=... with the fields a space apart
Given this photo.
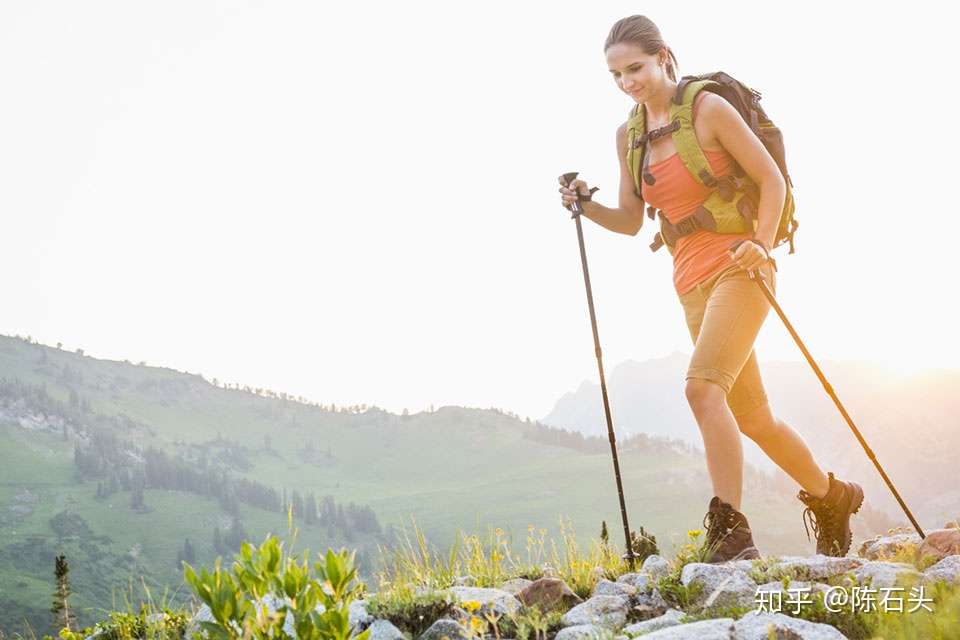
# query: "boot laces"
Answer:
x=719 y=523
x=821 y=516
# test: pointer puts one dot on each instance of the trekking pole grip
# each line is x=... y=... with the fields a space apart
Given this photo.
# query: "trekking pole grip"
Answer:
x=568 y=179
x=751 y=273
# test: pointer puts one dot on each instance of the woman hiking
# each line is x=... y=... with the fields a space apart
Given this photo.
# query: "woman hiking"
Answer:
x=724 y=308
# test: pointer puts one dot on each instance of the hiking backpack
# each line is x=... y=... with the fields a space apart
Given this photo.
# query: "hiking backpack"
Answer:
x=732 y=205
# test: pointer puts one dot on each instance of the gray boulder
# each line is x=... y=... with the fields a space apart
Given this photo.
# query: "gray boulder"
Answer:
x=716 y=629
x=758 y=626
x=639 y=581
x=583 y=632
x=655 y=566
x=669 y=619
x=947 y=570
x=605 y=611
x=608 y=588
x=360 y=618
x=886 y=546
x=886 y=574
x=720 y=585
x=204 y=614
x=795 y=586
x=818 y=567
x=444 y=627
x=493 y=600
x=384 y=630
x=652 y=600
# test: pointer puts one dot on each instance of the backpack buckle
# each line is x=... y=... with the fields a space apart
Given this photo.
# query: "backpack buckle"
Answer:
x=687 y=226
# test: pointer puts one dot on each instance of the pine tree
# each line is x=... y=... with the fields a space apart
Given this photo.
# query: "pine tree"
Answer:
x=604 y=535
x=217 y=540
x=136 y=497
x=310 y=506
x=189 y=554
x=63 y=617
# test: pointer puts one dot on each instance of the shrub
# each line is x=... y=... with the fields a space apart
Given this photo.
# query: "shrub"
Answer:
x=237 y=599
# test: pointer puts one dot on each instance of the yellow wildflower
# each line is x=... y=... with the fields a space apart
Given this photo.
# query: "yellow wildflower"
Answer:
x=471 y=605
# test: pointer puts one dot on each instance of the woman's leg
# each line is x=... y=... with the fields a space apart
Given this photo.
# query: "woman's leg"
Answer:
x=721 y=439
x=785 y=447
x=724 y=315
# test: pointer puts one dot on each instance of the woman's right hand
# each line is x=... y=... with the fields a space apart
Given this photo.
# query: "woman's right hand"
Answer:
x=569 y=192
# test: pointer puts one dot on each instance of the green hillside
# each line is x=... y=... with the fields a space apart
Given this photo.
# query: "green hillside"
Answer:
x=451 y=469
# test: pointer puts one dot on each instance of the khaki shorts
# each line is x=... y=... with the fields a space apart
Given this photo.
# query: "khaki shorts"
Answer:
x=724 y=314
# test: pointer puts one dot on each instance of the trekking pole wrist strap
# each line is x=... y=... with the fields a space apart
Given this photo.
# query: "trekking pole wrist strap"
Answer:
x=766 y=251
x=588 y=197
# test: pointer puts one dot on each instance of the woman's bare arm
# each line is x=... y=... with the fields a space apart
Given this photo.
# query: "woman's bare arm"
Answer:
x=627 y=218
x=726 y=124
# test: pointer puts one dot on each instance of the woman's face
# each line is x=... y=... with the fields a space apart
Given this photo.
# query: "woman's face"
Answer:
x=637 y=74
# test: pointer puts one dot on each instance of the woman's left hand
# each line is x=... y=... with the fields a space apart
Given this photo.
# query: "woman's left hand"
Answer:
x=749 y=255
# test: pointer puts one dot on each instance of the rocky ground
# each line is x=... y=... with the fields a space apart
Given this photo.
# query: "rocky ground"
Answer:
x=633 y=605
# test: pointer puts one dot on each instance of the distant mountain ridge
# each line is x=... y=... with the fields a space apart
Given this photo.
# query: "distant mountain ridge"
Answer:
x=912 y=422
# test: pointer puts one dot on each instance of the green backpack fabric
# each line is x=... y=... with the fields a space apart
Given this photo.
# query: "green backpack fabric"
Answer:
x=732 y=206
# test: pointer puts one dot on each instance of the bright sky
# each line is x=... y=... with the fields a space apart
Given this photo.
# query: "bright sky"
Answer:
x=357 y=201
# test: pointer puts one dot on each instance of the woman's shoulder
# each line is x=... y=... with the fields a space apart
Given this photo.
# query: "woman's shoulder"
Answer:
x=706 y=100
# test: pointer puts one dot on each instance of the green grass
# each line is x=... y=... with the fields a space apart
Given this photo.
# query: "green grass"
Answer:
x=454 y=469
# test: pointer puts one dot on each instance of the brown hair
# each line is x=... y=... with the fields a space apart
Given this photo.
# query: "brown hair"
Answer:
x=641 y=31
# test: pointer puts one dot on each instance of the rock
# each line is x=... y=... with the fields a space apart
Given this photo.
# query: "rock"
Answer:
x=384 y=630
x=582 y=632
x=669 y=619
x=642 y=612
x=720 y=585
x=743 y=565
x=492 y=600
x=817 y=567
x=204 y=614
x=359 y=617
x=608 y=588
x=652 y=600
x=465 y=581
x=639 y=581
x=548 y=594
x=716 y=629
x=886 y=546
x=886 y=574
x=606 y=611
x=516 y=585
x=757 y=626
x=445 y=627
x=947 y=569
x=941 y=543
x=794 y=585
x=655 y=566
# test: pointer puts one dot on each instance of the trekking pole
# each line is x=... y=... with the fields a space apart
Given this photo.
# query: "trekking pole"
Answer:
x=758 y=278
x=576 y=209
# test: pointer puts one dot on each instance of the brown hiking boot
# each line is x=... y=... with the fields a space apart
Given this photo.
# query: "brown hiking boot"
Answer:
x=728 y=534
x=829 y=516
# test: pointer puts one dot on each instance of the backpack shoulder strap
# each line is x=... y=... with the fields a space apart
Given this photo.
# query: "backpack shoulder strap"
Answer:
x=636 y=129
x=685 y=137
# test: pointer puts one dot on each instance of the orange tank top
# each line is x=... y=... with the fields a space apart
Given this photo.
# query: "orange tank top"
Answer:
x=677 y=193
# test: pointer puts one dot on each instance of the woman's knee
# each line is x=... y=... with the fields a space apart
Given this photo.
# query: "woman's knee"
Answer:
x=705 y=396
